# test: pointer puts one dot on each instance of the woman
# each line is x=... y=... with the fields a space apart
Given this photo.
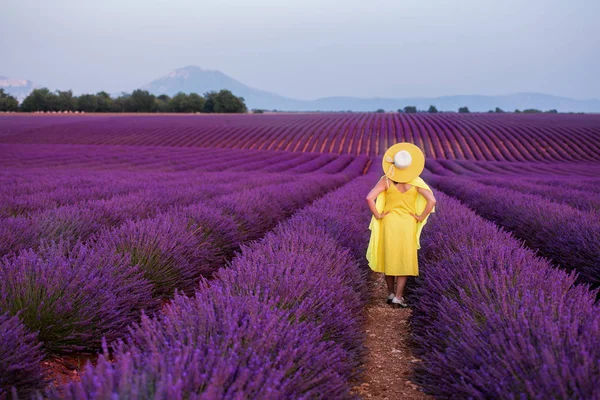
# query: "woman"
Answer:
x=401 y=203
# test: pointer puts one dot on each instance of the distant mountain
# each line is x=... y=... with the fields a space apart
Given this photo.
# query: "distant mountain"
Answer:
x=18 y=88
x=198 y=80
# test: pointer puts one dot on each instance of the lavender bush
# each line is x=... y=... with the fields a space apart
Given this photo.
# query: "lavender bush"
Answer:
x=568 y=236
x=302 y=270
x=492 y=320
x=166 y=249
x=580 y=199
x=213 y=346
x=73 y=297
x=204 y=347
x=20 y=358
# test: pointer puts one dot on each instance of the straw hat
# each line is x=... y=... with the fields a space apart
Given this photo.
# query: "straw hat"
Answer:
x=403 y=162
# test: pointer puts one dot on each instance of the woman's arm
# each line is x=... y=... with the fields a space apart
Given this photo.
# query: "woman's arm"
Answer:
x=428 y=194
x=378 y=188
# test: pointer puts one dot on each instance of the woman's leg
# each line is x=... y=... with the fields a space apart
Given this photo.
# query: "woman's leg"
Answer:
x=389 y=280
x=400 y=286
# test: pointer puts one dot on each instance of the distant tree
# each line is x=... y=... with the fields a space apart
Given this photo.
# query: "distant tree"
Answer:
x=87 y=103
x=553 y=111
x=410 y=109
x=105 y=102
x=517 y=111
x=223 y=102
x=177 y=102
x=122 y=103
x=499 y=110
x=228 y=103
x=39 y=100
x=141 y=101
x=490 y=111
x=161 y=103
x=464 y=110
x=258 y=111
x=65 y=101
x=432 y=109
x=400 y=110
x=194 y=103
x=380 y=110
x=8 y=102
x=210 y=101
x=531 y=111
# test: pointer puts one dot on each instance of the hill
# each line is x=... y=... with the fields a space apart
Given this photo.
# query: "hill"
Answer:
x=196 y=79
x=18 y=88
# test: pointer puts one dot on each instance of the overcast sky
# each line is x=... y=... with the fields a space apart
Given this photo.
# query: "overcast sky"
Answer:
x=310 y=48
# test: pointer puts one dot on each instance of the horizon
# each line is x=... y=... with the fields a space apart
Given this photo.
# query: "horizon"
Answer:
x=112 y=94
x=311 y=49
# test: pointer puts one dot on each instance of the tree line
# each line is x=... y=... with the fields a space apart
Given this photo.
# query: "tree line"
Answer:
x=139 y=100
x=465 y=110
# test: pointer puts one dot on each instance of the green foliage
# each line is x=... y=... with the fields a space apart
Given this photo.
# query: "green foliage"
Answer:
x=258 y=111
x=499 y=110
x=194 y=103
x=64 y=101
x=432 y=109
x=162 y=103
x=139 y=101
x=223 y=102
x=105 y=102
x=410 y=109
x=553 y=111
x=380 y=110
x=517 y=111
x=209 y=102
x=87 y=103
x=8 y=102
x=400 y=110
x=226 y=102
x=39 y=100
x=531 y=111
x=464 y=110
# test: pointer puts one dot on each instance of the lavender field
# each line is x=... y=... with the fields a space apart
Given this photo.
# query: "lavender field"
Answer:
x=193 y=257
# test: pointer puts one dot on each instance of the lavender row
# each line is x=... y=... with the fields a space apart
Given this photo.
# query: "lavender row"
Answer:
x=580 y=199
x=480 y=137
x=567 y=236
x=81 y=220
x=493 y=320
x=75 y=295
x=585 y=171
x=271 y=325
x=168 y=159
x=21 y=196
x=585 y=184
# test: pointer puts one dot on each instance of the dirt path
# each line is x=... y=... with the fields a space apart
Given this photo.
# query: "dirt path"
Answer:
x=388 y=364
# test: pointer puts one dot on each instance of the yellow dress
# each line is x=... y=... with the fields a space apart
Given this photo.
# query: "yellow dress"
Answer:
x=395 y=238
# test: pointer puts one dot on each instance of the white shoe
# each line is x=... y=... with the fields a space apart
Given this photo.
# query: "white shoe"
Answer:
x=399 y=302
x=390 y=297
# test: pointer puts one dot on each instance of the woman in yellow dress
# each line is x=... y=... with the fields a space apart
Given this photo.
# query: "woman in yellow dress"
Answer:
x=401 y=203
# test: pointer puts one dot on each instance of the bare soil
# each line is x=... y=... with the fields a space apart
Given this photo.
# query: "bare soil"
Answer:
x=389 y=362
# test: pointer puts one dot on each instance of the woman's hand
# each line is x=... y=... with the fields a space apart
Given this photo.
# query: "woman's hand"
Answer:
x=419 y=218
x=381 y=215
